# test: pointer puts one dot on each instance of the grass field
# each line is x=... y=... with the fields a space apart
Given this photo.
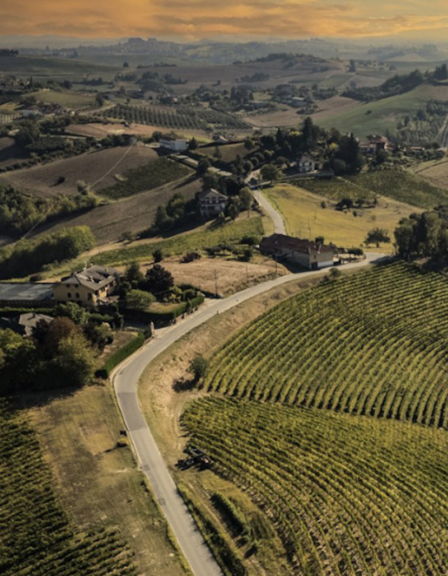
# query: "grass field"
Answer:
x=228 y=152
x=67 y=98
x=52 y=67
x=229 y=232
x=156 y=173
x=376 y=117
x=344 y=495
x=98 y=484
x=305 y=217
x=36 y=536
x=370 y=344
x=97 y=169
x=397 y=183
x=436 y=173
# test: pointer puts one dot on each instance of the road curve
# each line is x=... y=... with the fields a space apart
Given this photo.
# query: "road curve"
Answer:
x=277 y=218
x=126 y=379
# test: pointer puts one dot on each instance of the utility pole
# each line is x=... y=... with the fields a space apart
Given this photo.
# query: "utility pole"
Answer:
x=216 y=284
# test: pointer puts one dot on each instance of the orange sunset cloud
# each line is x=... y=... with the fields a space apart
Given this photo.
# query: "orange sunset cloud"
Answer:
x=194 y=19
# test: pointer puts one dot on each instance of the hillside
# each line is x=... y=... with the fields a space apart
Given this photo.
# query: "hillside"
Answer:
x=370 y=344
x=43 y=67
x=329 y=493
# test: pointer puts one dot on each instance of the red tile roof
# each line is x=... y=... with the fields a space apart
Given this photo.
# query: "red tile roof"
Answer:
x=282 y=242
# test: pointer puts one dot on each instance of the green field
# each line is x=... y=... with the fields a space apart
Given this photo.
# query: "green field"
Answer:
x=344 y=495
x=154 y=174
x=230 y=232
x=36 y=537
x=379 y=116
x=52 y=67
x=67 y=98
x=397 y=183
x=373 y=344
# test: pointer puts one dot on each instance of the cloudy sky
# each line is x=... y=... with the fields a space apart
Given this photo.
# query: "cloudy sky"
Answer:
x=196 y=19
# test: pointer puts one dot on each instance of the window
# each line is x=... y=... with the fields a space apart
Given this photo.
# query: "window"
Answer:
x=77 y=295
x=69 y=294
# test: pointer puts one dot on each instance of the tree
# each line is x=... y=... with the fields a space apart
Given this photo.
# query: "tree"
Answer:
x=73 y=311
x=233 y=211
x=139 y=300
x=198 y=367
x=246 y=198
x=75 y=363
x=99 y=99
x=203 y=166
x=60 y=329
x=133 y=274
x=270 y=172
x=193 y=144
x=158 y=279
x=28 y=133
x=158 y=255
x=376 y=236
x=125 y=64
x=217 y=153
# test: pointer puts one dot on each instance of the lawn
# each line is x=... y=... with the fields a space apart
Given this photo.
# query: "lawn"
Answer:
x=97 y=481
x=157 y=173
x=306 y=218
x=228 y=152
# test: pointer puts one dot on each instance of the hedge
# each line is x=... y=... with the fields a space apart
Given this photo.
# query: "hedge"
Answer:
x=121 y=355
x=164 y=317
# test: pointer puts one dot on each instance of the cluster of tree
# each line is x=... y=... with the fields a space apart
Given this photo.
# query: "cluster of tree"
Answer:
x=155 y=82
x=344 y=156
x=59 y=354
x=19 y=212
x=30 y=256
x=441 y=72
x=398 y=84
x=139 y=290
x=174 y=213
x=7 y=53
x=257 y=77
x=423 y=234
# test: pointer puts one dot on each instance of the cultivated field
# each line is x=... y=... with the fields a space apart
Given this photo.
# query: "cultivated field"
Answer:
x=36 y=535
x=305 y=217
x=343 y=495
x=229 y=152
x=9 y=152
x=436 y=173
x=66 y=98
x=97 y=169
x=370 y=344
x=397 y=183
x=134 y=214
x=55 y=68
x=79 y=435
x=96 y=130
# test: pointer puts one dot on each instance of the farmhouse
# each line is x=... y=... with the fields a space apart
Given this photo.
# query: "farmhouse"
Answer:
x=173 y=143
x=25 y=323
x=94 y=285
x=311 y=255
x=306 y=164
x=374 y=144
x=212 y=203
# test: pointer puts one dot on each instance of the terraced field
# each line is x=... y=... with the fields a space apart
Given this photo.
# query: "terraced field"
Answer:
x=374 y=343
x=36 y=537
x=346 y=495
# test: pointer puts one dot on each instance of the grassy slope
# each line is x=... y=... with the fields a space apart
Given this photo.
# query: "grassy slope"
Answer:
x=345 y=495
x=305 y=216
x=384 y=113
x=98 y=485
x=68 y=98
x=229 y=232
x=59 y=67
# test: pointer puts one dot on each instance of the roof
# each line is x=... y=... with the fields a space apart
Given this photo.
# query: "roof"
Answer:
x=212 y=193
x=25 y=323
x=171 y=137
x=306 y=158
x=282 y=242
x=26 y=291
x=95 y=277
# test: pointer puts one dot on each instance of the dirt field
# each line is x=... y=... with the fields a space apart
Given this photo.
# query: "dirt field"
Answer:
x=102 y=130
x=436 y=173
x=134 y=214
x=9 y=152
x=231 y=276
x=104 y=165
x=281 y=118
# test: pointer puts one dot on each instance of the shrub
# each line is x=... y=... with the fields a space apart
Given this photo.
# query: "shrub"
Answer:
x=121 y=355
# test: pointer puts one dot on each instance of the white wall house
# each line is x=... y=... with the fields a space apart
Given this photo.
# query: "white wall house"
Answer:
x=173 y=143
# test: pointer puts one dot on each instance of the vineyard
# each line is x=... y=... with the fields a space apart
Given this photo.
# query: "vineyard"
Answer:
x=399 y=184
x=182 y=118
x=374 y=343
x=35 y=535
x=346 y=495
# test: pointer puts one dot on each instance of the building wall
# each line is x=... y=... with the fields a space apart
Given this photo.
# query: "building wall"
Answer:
x=81 y=294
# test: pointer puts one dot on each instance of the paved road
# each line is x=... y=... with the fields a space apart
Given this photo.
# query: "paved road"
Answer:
x=126 y=381
x=277 y=219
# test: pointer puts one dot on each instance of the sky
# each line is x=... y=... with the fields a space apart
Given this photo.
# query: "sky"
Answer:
x=196 y=19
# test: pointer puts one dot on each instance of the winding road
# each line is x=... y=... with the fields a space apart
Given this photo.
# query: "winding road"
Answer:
x=126 y=379
x=276 y=217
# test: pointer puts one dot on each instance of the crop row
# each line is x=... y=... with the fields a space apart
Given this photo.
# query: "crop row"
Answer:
x=374 y=343
x=188 y=119
x=36 y=538
x=346 y=495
